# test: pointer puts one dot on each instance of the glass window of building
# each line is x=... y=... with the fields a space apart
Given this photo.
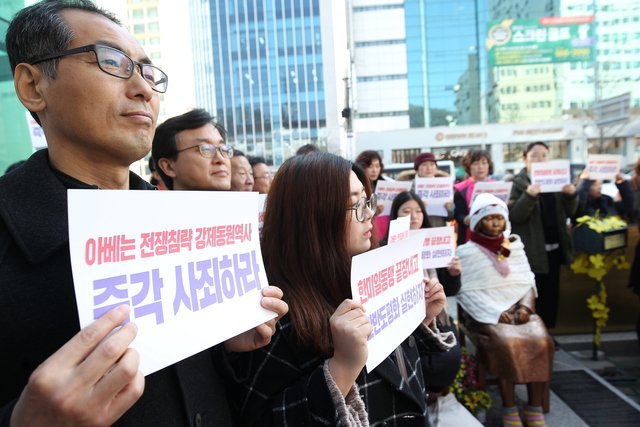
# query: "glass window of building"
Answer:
x=153 y=27
x=137 y=13
x=513 y=151
x=154 y=40
x=138 y=28
x=152 y=12
x=156 y=55
x=606 y=146
x=405 y=156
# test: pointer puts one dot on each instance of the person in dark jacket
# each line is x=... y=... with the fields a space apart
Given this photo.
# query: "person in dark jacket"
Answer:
x=98 y=119
x=540 y=219
x=592 y=201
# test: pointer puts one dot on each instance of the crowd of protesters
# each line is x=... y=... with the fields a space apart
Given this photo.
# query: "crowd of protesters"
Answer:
x=89 y=84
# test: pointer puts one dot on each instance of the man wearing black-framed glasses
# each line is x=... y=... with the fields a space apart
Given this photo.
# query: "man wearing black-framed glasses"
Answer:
x=92 y=88
x=192 y=154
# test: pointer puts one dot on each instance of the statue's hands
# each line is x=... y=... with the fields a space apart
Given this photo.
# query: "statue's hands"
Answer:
x=505 y=318
x=522 y=315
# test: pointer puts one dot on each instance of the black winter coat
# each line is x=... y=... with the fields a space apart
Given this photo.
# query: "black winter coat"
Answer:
x=38 y=308
x=287 y=386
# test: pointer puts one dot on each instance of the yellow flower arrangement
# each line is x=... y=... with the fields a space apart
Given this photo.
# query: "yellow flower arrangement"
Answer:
x=597 y=265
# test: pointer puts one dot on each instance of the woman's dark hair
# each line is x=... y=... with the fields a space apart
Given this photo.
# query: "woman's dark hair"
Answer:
x=400 y=200
x=365 y=158
x=475 y=155
x=530 y=146
x=304 y=241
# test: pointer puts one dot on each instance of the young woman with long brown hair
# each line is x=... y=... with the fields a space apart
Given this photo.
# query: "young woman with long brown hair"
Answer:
x=318 y=216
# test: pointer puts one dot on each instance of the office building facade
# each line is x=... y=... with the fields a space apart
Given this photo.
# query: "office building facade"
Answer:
x=425 y=63
x=272 y=72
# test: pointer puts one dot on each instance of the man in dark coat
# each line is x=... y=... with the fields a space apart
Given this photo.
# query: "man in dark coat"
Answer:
x=95 y=93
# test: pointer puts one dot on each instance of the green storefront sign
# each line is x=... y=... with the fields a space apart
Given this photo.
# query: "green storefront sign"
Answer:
x=540 y=41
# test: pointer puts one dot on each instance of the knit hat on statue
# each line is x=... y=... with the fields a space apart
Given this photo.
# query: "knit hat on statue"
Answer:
x=487 y=204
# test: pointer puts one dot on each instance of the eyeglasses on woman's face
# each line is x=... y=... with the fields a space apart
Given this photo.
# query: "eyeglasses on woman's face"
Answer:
x=361 y=207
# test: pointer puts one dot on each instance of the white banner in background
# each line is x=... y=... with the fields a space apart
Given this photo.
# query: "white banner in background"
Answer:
x=550 y=176
x=386 y=191
x=500 y=189
x=435 y=192
x=438 y=247
x=603 y=166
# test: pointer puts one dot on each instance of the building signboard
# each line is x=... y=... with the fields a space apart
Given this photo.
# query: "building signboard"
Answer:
x=540 y=41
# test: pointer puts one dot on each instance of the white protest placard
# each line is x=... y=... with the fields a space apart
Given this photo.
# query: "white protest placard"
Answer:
x=550 y=176
x=500 y=189
x=399 y=229
x=603 y=166
x=438 y=246
x=435 y=192
x=386 y=191
x=262 y=198
x=388 y=282
x=192 y=276
x=38 y=140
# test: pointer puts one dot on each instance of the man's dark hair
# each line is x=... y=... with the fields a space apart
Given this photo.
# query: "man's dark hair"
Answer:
x=255 y=160
x=237 y=153
x=165 y=140
x=39 y=30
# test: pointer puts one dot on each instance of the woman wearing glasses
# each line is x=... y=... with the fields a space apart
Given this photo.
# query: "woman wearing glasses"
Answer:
x=312 y=371
x=540 y=219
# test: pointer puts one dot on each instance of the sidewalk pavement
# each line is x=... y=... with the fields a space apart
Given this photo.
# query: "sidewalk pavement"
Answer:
x=606 y=392
x=620 y=409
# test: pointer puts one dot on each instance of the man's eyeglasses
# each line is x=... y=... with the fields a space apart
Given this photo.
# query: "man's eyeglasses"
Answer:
x=209 y=150
x=117 y=64
x=361 y=206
